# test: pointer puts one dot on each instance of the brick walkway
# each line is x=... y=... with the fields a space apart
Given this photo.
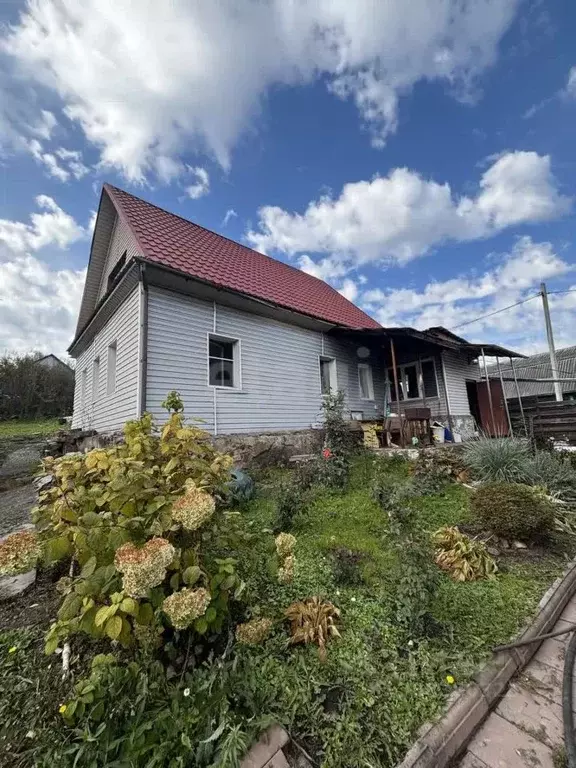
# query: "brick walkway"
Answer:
x=526 y=730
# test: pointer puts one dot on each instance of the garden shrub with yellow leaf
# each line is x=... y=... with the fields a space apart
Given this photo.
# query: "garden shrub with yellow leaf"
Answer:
x=464 y=558
x=144 y=525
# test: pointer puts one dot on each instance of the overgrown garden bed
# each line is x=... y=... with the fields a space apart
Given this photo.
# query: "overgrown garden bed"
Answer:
x=196 y=676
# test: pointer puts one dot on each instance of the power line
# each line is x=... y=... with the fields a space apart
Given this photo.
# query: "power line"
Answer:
x=490 y=314
x=568 y=290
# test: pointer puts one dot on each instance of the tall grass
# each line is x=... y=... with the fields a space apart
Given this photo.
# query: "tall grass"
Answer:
x=497 y=459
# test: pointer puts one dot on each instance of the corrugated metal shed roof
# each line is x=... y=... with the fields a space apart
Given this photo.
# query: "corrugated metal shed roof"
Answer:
x=538 y=367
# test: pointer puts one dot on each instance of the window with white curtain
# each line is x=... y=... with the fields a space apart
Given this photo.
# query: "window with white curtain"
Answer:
x=365 y=381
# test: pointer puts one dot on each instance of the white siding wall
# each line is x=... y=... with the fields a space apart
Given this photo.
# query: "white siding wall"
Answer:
x=458 y=370
x=279 y=367
x=95 y=409
x=121 y=240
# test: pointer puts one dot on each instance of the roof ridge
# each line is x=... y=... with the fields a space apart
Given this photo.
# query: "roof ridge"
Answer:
x=106 y=185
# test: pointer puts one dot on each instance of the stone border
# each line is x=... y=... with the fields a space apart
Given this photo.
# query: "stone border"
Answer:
x=440 y=742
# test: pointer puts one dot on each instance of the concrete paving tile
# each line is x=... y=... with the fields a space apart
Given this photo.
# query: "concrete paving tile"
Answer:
x=501 y=744
x=569 y=613
x=551 y=652
x=471 y=761
x=534 y=714
x=542 y=679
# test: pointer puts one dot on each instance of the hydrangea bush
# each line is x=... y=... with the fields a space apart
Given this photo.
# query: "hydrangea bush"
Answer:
x=144 y=524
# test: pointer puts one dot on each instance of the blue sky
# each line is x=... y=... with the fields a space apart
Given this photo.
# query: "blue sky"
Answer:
x=418 y=158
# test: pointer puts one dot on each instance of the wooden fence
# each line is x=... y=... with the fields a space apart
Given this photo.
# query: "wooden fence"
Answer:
x=546 y=419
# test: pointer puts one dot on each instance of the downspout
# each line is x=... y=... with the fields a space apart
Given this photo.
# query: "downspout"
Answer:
x=445 y=382
x=214 y=391
x=143 y=373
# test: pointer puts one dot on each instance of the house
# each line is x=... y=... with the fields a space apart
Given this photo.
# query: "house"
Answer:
x=250 y=343
x=53 y=362
x=539 y=367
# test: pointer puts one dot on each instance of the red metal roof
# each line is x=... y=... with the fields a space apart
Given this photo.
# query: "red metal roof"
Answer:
x=174 y=242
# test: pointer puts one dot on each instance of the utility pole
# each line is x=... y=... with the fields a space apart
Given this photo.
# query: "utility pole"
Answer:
x=551 y=349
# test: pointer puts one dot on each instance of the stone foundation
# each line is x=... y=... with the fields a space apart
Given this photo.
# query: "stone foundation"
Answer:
x=260 y=449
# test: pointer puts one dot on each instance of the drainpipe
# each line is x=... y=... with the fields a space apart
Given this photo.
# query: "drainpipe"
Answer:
x=445 y=382
x=395 y=372
x=143 y=339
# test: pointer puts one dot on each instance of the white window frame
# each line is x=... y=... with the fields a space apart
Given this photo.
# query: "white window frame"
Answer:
x=366 y=367
x=331 y=372
x=419 y=378
x=95 y=378
x=111 y=367
x=236 y=361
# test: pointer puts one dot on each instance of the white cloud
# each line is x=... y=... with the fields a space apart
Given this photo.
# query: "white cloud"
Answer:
x=201 y=186
x=38 y=304
x=230 y=214
x=151 y=79
x=45 y=125
x=460 y=300
x=349 y=289
x=401 y=216
x=570 y=89
x=52 y=226
x=326 y=269
x=71 y=159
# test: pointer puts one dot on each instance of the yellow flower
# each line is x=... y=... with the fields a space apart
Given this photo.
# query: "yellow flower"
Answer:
x=194 y=508
x=12 y=650
x=62 y=708
x=450 y=680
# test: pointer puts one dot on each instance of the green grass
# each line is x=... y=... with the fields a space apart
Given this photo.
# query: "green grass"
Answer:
x=385 y=691
x=361 y=707
x=28 y=428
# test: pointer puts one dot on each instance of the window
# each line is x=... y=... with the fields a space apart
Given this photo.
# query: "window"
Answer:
x=223 y=362
x=83 y=386
x=327 y=375
x=95 y=378
x=415 y=380
x=111 y=371
x=115 y=271
x=365 y=382
x=429 y=380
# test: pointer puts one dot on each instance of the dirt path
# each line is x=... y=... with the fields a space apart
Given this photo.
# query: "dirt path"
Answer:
x=15 y=507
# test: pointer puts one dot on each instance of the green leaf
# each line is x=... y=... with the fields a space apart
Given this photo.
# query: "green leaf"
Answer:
x=185 y=739
x=88 y=568
x=90 y=519
x=191 y=574
x=51 y=645
x=145 y=614
x=70 y=607
x=210 y=615
x=104 y=614
x=175 y=581
x=130 y=606
x=113 y=627
x=228 y=582
x=201 y=625
x=57 y=548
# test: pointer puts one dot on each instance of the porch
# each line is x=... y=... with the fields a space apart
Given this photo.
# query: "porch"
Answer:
x=409 y=380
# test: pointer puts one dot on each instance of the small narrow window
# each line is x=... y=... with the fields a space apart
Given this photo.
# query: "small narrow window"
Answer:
x=116 y=269
x=95 y=378
x=365 y=381
x=327 y=375
x=430 y=383
x=111 y=370
x=223 y=362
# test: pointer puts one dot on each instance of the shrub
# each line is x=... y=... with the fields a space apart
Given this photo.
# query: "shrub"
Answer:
x=291 y=501
x=346 y=567
x=334 y=464
x=465 y=559
x=313 y=621
x=551 y=471
x=499 y=459
x=441 y=465
x=144 y=522
x=513 y=510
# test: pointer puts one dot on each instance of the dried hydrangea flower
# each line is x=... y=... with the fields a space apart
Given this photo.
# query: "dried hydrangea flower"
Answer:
x=286 y=571
x=19 y=553
x=143 y=567
x=254 y=632
x=183 y=607
x=194 y=508
x=285 y=544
